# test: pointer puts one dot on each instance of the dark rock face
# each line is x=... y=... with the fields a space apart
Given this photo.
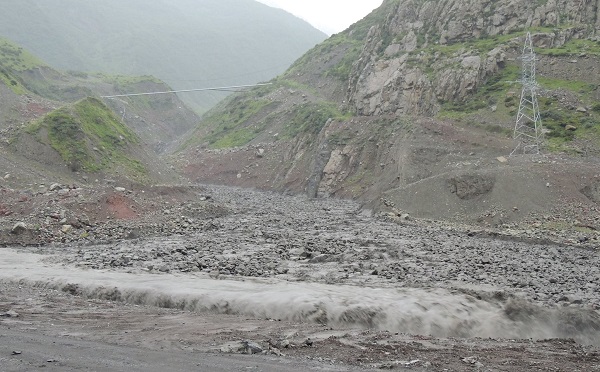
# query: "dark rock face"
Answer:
x=469 y=186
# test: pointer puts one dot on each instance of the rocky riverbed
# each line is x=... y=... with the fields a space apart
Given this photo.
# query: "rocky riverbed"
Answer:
x=330 y=263
x=336 y=242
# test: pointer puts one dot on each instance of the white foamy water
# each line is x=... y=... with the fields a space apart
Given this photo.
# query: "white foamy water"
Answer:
x=436 y=312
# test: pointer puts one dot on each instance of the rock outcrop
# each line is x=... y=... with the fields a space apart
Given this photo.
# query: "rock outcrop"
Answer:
x=411 y=63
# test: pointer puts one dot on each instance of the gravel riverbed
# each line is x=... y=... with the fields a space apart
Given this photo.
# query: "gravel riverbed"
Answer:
x=336 y=242
x=324 y=275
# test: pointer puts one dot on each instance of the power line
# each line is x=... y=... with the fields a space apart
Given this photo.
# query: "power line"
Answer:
x=229 y=89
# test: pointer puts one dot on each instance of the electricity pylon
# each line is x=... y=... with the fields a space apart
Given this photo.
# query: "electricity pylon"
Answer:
x=528 y=128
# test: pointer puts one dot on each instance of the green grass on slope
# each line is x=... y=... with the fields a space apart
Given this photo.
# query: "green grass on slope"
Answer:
x=243 y=117
x=14 y=59
x=310 y=118
x=89 y=137
x=563 y=125
x=230 y=127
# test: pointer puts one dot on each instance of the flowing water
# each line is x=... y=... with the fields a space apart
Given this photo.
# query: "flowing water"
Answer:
x=436 y=312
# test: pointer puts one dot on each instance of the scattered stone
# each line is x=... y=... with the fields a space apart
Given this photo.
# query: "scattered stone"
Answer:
x=66 y=229
x=275 y=351
x=260 y=153
x=19 y=228
x=233 y=348
x=10 y=314
x=55 y=186
x=319 y=259
x=581 y=109
x=17 y=352
x=252 y=347
x=134 y=234
x=164 y=269
x=241 y=347
x=473 y=361
x=120 y=189
x=502 y=159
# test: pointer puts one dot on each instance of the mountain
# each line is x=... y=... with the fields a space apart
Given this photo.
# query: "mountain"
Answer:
x=188 y=44
x=53 y=124
x=412 y=110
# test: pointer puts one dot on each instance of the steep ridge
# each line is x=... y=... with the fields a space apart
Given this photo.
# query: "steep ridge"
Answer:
x=412 y=109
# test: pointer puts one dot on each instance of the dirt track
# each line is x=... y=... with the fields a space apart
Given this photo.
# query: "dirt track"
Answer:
x=312 y=279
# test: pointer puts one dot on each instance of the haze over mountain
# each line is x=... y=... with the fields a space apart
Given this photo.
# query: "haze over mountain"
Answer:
x=188 y=44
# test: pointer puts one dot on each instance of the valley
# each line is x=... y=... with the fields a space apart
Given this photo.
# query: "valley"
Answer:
x=361 y=211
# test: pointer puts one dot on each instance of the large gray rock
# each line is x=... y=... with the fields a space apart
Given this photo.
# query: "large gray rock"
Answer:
x=19 y=228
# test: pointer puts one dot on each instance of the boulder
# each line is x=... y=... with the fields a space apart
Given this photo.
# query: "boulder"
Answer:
x=19 y=228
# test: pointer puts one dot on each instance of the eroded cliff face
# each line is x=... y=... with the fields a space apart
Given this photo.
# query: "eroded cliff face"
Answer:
x=411 y=62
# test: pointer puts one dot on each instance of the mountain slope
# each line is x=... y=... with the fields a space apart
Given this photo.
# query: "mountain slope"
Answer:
x=188 y=44
x=50 y=127
x=87 y=136
x=158 y=120
x=412 y=107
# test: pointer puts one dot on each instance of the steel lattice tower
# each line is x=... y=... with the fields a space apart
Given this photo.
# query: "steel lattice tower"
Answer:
x=528 y=128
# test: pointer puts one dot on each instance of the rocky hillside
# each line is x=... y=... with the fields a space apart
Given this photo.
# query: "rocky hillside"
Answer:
x=186 y=43
x=51 y=128
x=412 y=109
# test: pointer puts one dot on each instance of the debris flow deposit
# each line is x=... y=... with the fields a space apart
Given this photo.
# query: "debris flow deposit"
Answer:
x=329 y=263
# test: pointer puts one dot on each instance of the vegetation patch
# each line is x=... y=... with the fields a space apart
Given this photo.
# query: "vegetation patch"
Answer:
x=563 y=124
x=14 y=59
x=574 y=47
x=310 y=118
x=230 y=126
x=89 y=137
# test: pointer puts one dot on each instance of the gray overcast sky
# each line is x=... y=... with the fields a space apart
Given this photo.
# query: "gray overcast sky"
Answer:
x=330 y=16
